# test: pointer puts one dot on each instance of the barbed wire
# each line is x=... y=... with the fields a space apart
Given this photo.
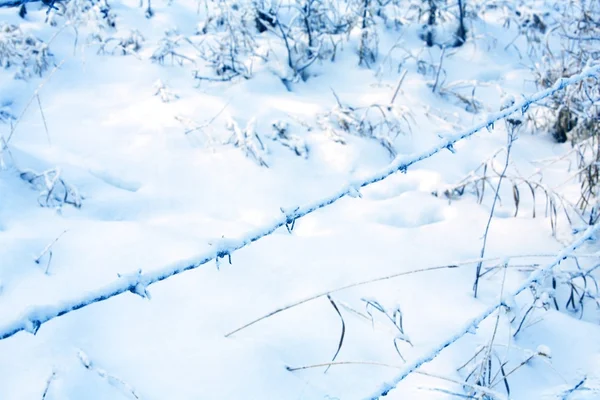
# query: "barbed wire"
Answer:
x=138 y=282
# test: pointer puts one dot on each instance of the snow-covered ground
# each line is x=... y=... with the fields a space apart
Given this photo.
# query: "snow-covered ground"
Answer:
x=159 y=169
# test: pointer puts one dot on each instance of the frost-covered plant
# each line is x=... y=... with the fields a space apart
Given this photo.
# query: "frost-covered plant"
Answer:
x=312 y=30
x=169 y=47
x=54 y=192
x=394 y=316
x=228 y=45
x=484 y=179
x=463 y=93
x=573 y=114
x=27 y=54
x=248 y=141
x=559 y=44
x=561 y=38
x=97 y=15
x=490 y=370
x=164 y=92
x=382 y=123
x=587 y=154
x=282 y=135
x=576 y=288
x=130 y=44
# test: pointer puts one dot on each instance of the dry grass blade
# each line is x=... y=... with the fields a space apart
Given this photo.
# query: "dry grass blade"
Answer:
x=335 y=307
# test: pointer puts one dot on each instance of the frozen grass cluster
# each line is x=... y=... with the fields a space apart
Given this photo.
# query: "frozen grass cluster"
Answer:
x=26 y=54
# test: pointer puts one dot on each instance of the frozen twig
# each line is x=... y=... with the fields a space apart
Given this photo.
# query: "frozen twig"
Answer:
x=36 y=316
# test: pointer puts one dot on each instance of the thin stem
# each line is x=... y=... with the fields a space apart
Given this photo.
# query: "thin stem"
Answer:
x=511 y=140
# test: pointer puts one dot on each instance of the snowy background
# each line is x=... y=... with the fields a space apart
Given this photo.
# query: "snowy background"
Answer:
x=413 y=212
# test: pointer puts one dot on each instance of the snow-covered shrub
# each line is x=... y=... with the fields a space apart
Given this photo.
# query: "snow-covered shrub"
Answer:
x=282 y=135
x=228 y=45
x=169 y=48
x=573 y=114
x=130 y=44
x=95 y=19
x=97 y=15
x=248 y=141
x=27 y=54
x=560 y=39
x=312 y=30
x=560 y=44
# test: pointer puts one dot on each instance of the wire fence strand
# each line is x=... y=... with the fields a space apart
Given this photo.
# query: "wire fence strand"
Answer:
x=32 y=319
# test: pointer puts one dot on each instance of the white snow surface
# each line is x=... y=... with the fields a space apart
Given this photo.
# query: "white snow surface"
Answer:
x=154 y=196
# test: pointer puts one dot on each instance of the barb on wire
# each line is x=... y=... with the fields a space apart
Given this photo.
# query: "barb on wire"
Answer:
x=138 y=283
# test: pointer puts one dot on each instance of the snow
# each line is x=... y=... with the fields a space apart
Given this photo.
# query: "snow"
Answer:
x=216 y=203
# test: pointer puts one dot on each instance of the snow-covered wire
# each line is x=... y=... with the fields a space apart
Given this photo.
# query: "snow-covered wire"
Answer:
x=535 y=277
x=138 y=282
